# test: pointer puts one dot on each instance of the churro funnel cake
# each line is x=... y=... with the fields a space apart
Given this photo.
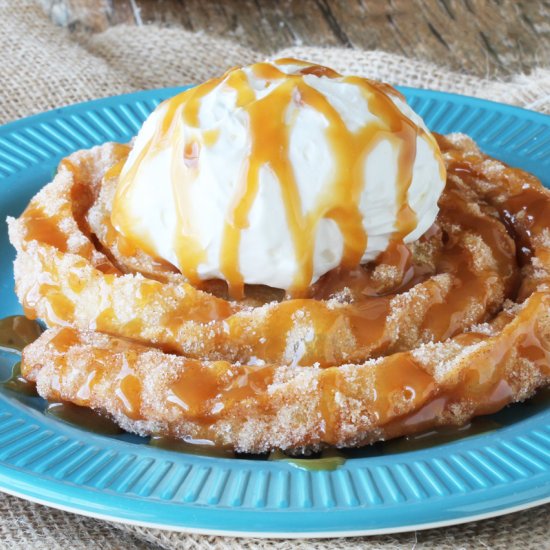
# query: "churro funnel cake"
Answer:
x=286 y=258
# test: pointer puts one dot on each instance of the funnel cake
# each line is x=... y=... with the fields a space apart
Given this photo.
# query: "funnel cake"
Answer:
x=454 y=325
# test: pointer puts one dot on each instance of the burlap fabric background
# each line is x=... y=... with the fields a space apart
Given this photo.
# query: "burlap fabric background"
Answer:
x=42 y=67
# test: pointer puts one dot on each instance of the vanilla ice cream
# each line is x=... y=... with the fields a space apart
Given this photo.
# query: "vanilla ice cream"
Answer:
x=276 y=173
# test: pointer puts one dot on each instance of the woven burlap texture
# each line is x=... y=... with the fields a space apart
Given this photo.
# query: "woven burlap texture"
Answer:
x=43 y=67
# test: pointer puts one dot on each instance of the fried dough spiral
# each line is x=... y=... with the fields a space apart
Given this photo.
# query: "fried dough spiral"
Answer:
x=452 y=326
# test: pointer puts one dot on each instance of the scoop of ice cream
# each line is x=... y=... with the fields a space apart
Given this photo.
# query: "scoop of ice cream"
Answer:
x=276 y=173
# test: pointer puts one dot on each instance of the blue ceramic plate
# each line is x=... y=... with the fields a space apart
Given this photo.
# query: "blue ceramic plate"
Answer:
x=386 y=488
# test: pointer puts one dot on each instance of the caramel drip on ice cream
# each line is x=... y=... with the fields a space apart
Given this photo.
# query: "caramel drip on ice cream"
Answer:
x=183 y=172
x=270 y=123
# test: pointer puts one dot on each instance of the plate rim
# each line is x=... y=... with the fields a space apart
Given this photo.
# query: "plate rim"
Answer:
x=11 y=124
x=280 y=534
x=454 y=98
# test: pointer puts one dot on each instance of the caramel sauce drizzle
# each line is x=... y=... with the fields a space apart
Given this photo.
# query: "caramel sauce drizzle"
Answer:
x=443 y=318
x=206 y=391
x=269 y=149
x=126 y=385
x=183 y=173
x=43 y=228
x=485 y=382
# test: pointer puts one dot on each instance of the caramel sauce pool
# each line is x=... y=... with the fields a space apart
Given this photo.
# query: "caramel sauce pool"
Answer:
x=17 y=383
x=17 y=331
x=84 y=418
x=332 y=458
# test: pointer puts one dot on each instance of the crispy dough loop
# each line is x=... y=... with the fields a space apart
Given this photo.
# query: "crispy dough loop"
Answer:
x=258 y=408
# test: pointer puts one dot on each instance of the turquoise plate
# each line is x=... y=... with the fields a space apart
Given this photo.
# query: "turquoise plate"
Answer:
x=381 y=489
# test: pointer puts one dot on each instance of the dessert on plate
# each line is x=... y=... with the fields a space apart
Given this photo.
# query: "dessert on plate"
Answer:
x=287 y=258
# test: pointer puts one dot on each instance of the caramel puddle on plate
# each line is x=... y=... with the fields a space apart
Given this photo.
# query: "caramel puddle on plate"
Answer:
x=440 y=436
x=194 y=447
x=84 y=418
x=17 y=383
x=541 y=397
x=330 y=459
x=17 y=331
